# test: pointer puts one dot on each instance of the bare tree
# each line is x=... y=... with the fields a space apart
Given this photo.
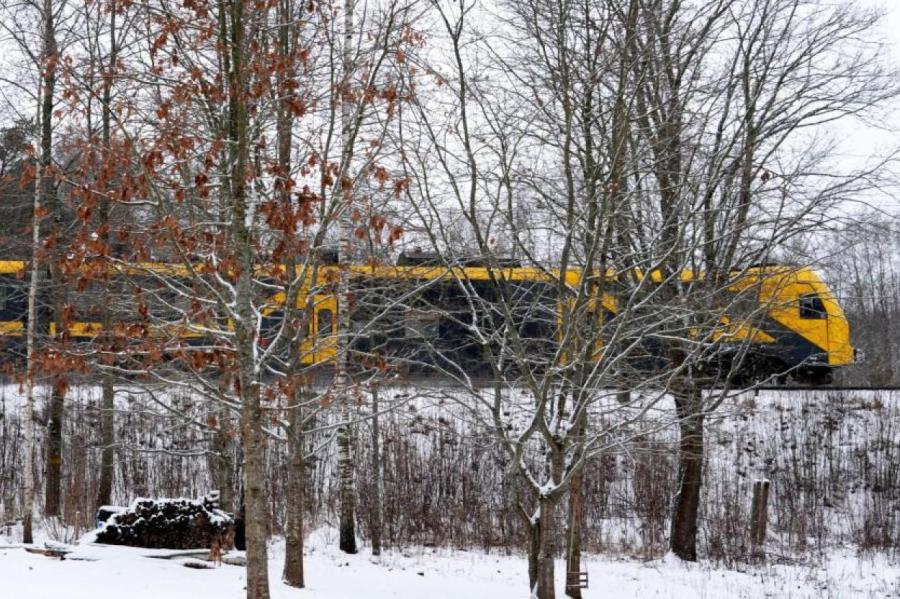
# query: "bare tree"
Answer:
x=732 y=177
x=43 y=56
x=540 y=330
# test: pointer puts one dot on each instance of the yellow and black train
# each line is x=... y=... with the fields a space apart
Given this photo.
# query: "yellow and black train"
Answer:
x=789 y=323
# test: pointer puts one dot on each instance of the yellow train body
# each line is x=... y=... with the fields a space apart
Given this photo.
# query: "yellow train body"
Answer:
x=798 y=322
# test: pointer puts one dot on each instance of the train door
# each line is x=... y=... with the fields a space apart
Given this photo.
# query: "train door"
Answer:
x=13 y=305
x=320 y=344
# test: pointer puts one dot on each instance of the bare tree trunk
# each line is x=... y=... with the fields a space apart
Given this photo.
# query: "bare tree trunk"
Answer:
x=576 y=519
x=107 y=402
x=31 y=324
x=377 y=479
x=107 y=441
x=255 y=496
x=347 y=540
x=296 y=500
x=56 y=412
x=223 y=461
x=53 y=486
x=45 y=114
x=296 y=475
x=253 y=435
x=28 y=499
x=683 y=541
x=545 y=587
x=534 y=551
x=541 y=548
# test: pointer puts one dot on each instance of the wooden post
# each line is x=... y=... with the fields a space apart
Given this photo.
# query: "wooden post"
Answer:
x=759 y=517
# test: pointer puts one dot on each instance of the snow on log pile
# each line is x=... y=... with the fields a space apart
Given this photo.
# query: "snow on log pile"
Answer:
x=169 y=524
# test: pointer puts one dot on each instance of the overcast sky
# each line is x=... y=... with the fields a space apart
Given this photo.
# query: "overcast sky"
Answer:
x=858 y=142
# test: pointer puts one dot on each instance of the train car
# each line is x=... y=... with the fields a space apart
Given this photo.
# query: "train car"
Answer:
x=784 y=321
x=781 y=323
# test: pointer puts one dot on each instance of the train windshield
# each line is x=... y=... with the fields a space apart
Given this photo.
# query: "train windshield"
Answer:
x=812 y=307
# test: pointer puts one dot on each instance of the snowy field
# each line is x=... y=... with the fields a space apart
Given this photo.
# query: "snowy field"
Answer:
x=105 y=572
x=832 y=459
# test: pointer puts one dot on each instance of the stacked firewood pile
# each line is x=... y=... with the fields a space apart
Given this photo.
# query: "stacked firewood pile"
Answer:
x=169 y=524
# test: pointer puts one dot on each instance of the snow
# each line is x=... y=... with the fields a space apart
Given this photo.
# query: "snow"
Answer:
x=100 y=572
x=839 y=572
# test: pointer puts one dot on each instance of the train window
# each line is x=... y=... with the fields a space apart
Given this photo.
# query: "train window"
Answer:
x=324 y=322
x=812 y=307
x=422 y=323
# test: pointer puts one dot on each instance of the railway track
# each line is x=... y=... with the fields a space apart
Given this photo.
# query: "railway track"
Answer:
x=822 y=388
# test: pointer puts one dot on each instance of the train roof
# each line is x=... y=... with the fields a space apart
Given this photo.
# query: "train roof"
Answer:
x=749 y=275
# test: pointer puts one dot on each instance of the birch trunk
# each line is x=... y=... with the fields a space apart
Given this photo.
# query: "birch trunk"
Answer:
x=44 y=116
x=377 y=479
x=31 y=323
x=347 y=541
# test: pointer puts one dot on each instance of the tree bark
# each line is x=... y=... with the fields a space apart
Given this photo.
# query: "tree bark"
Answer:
x=30 y=332
x=56 y=412
x=255 y=496
x=542 y=548
x=53 y=482
x=534 y=551
x=347 y=540
x=45 y=114
x=296 y=476
x=545 y=587
x=573 y=543
x=576 y=517
x=683 y=541
x=296 y=501
x=223 y=459
x=107 y=403
x=107 y=442
x=377 y=479
x=252 y=433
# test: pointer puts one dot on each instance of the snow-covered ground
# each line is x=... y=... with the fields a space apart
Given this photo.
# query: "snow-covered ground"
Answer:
x=101 y=572
x=832 y=459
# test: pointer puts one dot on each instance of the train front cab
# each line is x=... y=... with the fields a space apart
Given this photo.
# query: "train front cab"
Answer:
x=810 y=330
